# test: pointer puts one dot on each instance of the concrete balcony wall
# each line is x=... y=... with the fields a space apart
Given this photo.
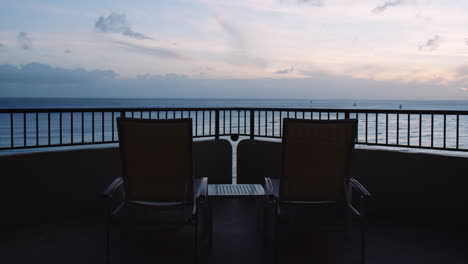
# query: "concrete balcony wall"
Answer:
x=46 y=187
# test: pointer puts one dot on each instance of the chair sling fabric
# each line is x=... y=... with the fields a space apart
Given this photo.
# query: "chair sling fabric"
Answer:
x=157 y=159
x=316 y=159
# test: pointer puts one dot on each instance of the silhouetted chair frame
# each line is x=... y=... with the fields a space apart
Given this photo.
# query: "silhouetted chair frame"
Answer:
x=317 y=144
x=151 y=175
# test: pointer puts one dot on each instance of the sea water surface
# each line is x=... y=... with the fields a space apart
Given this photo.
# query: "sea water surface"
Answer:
x=192 y=103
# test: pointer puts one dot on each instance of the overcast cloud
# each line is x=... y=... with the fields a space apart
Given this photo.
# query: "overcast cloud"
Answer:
x=117 y=23
x=40 y=80
x=24 y=41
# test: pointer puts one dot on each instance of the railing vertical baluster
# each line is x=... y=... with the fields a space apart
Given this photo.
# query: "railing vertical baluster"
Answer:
x=258 y=122
x=328 y=115
x=408 y=135
x=37 y=128
x=48 y=128
x=217 y=124
x=60 y=127
x=196 y=123
x=376 y=127
x=72 y=127
x=245 y=121
x=113 y=128
x=103 y=126
x=420 y=130
x=445 y=130
x=210 y=123
x=398 y=128
x=82 y=127
x=367 y=125
x=281 y=123
x=457 y=132
x=24 y=129
x=432 y=130
x=252 y=124
x=266 y=122
x=224 y=122
x=238 y=122
x=346 y=115
x=92 y=125
x=11 y=130
x=273 y=123
x=203 y=123
x=386 y=128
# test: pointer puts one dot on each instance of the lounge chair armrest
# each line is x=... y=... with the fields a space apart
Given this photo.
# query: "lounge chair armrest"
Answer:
x=112 y=187
x=201 y=188
x=360 y=188
x=271 y=185
x=359 y=210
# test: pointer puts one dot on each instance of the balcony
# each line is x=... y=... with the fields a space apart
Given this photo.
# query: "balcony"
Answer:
x=53 y=213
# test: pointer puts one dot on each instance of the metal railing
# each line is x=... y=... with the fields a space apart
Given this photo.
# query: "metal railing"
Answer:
x=35 y=128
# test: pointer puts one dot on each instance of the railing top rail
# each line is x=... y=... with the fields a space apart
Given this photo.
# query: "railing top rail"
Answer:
x=146 y=109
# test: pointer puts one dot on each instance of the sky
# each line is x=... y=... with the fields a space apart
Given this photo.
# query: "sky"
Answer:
x=314 y=49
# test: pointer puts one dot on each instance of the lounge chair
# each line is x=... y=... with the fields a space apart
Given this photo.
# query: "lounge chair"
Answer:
x=316 y=159
x=156 y=157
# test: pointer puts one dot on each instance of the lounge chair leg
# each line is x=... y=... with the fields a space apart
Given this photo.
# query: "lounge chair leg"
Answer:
x=363 y=242
x=277 y=226
x=259 y=216
x=196 y=241
x=210 y=212
x=108 y=236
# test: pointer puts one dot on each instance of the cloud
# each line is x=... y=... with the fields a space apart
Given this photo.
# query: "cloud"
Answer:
x=36 y=73
x=67 y=51
x=464 y=89
x=152 y=51
x=2 y=46
x=40 y=80
x=24 y=41
x=117 y=23
x=307 y=2
x=388 y=3
x=461 y=72
x=466 y=41
x=431 y=44
x=311 y=2
x=285 y=71
x=240 y=53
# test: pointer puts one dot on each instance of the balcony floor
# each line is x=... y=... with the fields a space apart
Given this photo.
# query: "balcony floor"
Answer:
x=235 y=241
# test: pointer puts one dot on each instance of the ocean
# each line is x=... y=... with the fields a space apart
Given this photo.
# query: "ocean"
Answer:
x=10 y=103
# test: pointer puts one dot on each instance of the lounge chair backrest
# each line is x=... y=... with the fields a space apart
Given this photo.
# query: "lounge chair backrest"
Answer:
x=157 y=159
x=316 y=159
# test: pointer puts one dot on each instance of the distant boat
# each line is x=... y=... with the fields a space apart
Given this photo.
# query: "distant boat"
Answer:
x=354 y=104
x=400 y=106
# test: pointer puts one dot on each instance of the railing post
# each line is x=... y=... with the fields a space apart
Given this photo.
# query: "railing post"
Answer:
x=217 y=124
x=346 y=115
x=252 y=124
x=122 y=113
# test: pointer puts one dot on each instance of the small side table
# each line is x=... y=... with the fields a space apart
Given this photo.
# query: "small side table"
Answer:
x=236 y=191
